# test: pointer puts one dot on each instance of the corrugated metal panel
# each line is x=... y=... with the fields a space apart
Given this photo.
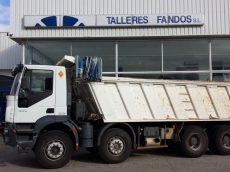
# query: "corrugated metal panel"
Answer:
x=216 y=13
x=10 y=52
x=130 y=100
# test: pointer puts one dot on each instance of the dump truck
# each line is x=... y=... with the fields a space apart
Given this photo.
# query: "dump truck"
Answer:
x=55 y=110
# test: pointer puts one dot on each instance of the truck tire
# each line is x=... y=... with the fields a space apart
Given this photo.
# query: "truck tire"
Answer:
x=221 y=140
x=115 y=146
x=194 y=141
x=53 y=149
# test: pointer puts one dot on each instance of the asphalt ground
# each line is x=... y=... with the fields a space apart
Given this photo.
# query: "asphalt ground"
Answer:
x=157 y=160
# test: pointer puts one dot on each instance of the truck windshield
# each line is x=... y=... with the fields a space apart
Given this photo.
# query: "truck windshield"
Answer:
x=15 y=84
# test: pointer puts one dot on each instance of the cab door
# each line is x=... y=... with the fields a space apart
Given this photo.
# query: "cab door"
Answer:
x=38 y=100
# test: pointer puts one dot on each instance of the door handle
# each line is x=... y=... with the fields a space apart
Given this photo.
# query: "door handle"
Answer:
x=50 y=110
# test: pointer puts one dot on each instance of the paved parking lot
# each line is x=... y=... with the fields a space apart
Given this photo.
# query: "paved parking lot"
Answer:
x=141 y=161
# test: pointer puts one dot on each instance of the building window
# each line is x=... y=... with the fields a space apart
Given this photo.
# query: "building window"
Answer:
x=164 y=59
x=103 y=49
x=139 y=56
x=186 y=55
x=220 y=59
x=46 y=52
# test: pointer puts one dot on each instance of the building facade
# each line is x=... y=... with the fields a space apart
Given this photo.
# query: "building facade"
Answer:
x=173 y=39
x=10 y=54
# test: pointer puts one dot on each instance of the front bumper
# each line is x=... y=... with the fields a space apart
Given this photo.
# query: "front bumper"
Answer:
x=10 y=137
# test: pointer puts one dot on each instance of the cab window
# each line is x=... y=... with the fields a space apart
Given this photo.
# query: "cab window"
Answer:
x=41 y=81
x=40 y=87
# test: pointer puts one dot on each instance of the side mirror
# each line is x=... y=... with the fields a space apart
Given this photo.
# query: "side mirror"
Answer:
x=25 y=83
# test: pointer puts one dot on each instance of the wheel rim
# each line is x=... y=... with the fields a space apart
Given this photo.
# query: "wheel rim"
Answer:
x=195 y=142
x=55 y=150
x=226 y=141
x=116 y=146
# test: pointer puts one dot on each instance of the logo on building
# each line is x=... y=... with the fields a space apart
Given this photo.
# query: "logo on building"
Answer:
x=53 y=21
x=47 y=21
x=71 y=21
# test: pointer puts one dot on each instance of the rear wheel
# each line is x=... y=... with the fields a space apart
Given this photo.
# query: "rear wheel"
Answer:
x=54 y=149
x=194 y=141
x=115 y=146
x=221 y=140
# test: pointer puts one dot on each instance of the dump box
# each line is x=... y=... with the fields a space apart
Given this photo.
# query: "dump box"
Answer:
x=144 y=100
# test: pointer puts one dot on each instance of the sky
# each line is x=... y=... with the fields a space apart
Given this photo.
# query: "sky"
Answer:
x=4 y=15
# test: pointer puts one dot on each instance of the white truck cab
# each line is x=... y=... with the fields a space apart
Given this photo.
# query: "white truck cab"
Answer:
x=37 y=92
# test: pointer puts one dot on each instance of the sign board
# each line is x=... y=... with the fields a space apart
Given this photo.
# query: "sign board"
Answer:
x=114 y=20
x=150 y=20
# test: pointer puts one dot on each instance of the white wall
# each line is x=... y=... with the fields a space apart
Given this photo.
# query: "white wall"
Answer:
x=217 y=17
x=10 y=54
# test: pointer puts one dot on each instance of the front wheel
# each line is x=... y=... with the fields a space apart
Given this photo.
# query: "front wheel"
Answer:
x=115 y=146
x=54 y=149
